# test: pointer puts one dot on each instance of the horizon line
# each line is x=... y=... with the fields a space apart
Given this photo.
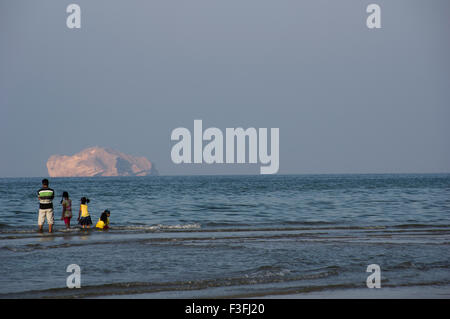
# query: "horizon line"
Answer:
x=250 y=174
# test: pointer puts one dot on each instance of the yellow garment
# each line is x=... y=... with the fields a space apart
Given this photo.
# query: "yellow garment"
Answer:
x=84 y=210
x=101 y=224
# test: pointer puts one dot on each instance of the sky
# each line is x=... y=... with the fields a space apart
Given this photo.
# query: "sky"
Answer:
x=346 y=98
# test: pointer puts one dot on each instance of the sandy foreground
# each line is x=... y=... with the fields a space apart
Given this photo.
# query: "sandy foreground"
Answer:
x=414 y=292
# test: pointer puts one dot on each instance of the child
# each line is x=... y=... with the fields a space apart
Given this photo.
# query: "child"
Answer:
x=103 y=222
x=67 y=209
x=85 y=219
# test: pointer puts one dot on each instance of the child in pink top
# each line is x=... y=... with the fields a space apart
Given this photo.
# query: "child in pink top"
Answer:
x=67 y=209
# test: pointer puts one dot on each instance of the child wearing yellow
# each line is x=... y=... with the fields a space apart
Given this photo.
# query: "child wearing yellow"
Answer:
x=85 y=219
x=103 y=222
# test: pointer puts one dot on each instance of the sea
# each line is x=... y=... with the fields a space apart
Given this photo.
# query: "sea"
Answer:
x=248 y=236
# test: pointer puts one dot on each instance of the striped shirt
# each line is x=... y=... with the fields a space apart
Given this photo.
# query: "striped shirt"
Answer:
x=46 y=196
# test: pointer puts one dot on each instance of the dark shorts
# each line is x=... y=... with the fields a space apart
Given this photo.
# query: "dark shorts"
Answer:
x=86 y=220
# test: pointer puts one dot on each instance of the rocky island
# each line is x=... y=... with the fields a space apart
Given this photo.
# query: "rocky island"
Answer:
x=98 y=161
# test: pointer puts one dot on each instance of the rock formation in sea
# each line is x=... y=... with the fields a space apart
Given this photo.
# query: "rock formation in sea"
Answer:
x=98 y=161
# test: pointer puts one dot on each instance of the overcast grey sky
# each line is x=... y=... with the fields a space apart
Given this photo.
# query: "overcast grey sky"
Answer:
x=347 y=99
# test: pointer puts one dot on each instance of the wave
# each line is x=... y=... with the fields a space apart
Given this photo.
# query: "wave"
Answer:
x=261 y=287
x=215 y=233
x=158 y=227
x=260 y=276
x=318 y=222
x=428 y=233
x=402 y=226
x=238 y=226
x=418 y=266
x=74 y=229
x=262 y=224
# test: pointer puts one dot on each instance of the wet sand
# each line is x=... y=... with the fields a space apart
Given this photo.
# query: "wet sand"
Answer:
x=413 y=292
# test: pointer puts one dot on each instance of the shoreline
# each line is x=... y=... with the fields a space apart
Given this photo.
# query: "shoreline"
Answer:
x=410 y=292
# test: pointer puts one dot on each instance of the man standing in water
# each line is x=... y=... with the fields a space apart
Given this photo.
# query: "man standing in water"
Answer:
x=45 y=196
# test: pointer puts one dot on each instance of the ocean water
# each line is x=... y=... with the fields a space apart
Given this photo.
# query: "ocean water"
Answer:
x=229 y=236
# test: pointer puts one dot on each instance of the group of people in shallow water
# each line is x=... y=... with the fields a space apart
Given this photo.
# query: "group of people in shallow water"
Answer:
x=46 y=196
